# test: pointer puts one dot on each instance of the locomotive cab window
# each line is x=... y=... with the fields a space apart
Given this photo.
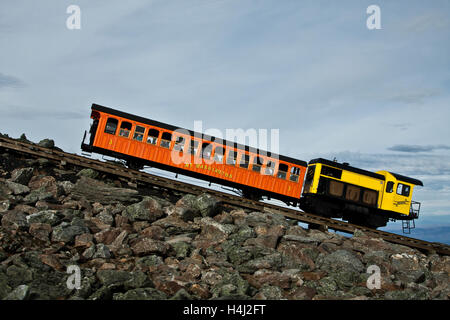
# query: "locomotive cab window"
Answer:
x=179 y=144
x=282 y=171
x=218 y=155
x=245 y=159
x=206 y=150
x=125 y=129
x=403 y=189
x=390 y=187
x=165 y=140
x=152 y=136
x=232 y=156
x=295 y=172
x=139 y=133
x=111 y=126
x=270 y=168
x=257 y=164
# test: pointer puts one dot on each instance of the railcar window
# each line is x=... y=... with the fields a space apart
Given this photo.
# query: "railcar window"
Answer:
x=193 y=147
x=331 y=172
x=403 y=189
x=232 y=156
x=295 y=172
x=270 y=168
x=257 y=163
x=139 y=133
x=125 y=129
x=152 y=136
x=206 y=150
x=111 y=126
x=179 y=144
x=282 y=171
x=245 y=159
x=390 y=187
x=218 y=155
x=165 y=139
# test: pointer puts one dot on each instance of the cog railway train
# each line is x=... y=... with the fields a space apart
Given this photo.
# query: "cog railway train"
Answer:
x=323 y=187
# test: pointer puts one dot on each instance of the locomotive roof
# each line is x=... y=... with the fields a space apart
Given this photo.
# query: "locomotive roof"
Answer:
x=195 y=134
x=347 y=167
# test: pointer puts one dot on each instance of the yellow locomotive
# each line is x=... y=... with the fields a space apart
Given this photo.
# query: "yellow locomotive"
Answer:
x=361 y=197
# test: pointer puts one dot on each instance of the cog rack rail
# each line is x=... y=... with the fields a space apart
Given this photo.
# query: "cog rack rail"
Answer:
x=64 y=158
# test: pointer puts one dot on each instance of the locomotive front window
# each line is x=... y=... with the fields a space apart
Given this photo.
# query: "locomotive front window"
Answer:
x=125 y=129
x=232 y=156
x=245 y=159
x=152 y=136
x=257 y=163
x=111 y=126
x=165 y=140
x=295 y=172
x=403 y=189
x=282 y=171
x=218 y=155
x=139 y=133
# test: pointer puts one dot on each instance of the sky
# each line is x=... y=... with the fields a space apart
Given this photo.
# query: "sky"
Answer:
x=376 y=98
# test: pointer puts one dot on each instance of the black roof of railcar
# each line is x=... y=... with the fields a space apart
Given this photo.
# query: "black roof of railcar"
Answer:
x=365 y=172
x=407 y=179
x=347 y=167
x=195 y=134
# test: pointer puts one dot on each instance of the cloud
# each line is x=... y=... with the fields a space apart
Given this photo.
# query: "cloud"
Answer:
x=27 y=113
x=417 y=148
x=10 y=81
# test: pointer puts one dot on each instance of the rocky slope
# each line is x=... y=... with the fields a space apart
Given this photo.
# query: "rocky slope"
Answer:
x=135 y=242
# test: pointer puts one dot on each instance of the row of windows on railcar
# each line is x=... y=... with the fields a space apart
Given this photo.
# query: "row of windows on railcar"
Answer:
x=207 y=149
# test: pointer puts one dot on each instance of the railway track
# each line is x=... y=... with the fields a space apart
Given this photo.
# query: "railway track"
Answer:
x=64 y=158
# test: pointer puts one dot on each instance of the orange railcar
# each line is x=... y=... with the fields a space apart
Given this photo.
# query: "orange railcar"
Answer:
x=141 y=141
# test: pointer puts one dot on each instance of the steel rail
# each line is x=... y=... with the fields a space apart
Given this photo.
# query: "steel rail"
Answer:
x=64 y=158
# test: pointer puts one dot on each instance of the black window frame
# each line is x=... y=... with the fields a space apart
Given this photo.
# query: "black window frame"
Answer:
x=108 y=128
x=150 y=135
x=137 y=133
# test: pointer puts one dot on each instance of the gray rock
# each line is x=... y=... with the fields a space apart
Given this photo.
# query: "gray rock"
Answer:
x=47 y=216
x=19 y=293
x=14 y=220
x=17 y=188
x=88 y=172
x=4 y=205
x=22 y=175
x=102 y=251
x=149 y=209
x=341 y=260
x=97 y=191
x=67 y=233
x=129 y=280
x=47 y=143
x=141 y=294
